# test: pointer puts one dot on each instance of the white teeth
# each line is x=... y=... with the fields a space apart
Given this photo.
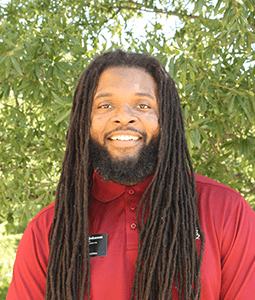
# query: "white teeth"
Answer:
x=125 y=138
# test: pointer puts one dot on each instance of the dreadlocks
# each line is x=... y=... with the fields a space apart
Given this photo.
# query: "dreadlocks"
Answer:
x=167 y=252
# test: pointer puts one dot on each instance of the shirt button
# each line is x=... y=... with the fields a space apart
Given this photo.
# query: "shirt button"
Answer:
x=133 y=225
x=132 y=207
x=131 y=192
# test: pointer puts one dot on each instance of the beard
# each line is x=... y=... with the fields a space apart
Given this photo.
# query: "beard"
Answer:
x=128 y=170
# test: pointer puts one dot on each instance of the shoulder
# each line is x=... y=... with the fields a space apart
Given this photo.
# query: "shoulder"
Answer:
x=203 y=182
x=211 y=190
x=44 y=218
x=220 y=201
x=214 y=197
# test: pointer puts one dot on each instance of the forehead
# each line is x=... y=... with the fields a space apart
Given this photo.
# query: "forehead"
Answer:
x=129 y=79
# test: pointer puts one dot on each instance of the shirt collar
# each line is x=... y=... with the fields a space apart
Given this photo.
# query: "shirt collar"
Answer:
x=108 y=191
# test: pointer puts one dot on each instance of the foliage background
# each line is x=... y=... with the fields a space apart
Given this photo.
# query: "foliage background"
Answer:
x=207 y=46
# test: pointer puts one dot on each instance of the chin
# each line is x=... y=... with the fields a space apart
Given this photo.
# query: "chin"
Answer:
x=124 y=167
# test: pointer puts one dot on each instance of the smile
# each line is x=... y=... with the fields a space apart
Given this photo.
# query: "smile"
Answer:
x=124 y=141
x=124 y=138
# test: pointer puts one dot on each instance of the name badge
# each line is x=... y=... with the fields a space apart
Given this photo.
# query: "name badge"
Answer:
x=98 y=245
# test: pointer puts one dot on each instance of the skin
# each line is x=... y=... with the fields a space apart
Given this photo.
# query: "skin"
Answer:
x=125 y=103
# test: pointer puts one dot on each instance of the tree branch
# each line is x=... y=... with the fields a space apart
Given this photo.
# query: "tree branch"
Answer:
x=113 y=15
x=159 y=10
x=154 y=9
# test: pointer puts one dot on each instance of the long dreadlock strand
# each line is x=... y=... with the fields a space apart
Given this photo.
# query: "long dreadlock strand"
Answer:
x=167 y=213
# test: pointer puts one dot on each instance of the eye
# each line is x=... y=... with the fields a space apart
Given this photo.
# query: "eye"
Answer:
x=144 y=106
x=104 y=106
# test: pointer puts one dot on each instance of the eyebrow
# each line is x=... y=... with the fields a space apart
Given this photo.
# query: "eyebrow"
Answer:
x=102 y=95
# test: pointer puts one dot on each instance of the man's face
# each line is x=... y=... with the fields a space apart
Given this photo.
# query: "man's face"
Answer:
x=124 y=117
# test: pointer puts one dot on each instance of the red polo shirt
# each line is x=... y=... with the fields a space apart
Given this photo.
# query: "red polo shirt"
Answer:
x=228 y=222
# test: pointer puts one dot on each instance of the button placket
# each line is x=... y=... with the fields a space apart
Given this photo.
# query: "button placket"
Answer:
x=132 y=206
x=131 y=192
x=131 y=224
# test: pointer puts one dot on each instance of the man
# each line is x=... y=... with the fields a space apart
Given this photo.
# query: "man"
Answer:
x=131 y=220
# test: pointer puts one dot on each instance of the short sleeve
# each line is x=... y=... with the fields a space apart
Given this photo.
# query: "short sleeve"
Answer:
x=30 y=267
x=228 y=224
x=238 y=253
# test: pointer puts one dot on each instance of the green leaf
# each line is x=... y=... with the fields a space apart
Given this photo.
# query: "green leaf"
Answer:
x=250 y=5
x=194 y=134
x=24 y=85
x=189 y=141
x=156 y=45
x=10 y=218
x=200 y=5
x=217 y=7
x=2 y=59
x=58 y=99
x=62 y=117
x=59 y=73
x=37 y=71
x=27 y=175
x=72 y=38
x=8 y=42
x=198 y=122
x=3 y=26
x=231 y=103
x=203 y=133
x=171 y=67
x=246 y=110
x=203 y=105
x=16 y=65
x=49 y=73
x=186 y=112
x=192 y=74
x=192 y=64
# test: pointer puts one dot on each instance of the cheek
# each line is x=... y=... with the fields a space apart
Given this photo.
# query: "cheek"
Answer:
x=97 y=119
x=152 y=121
x=94 y=127
x=97 y=126
x=151 y=117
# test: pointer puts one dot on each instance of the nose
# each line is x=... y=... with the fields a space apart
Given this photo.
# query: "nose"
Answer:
x=125 y=115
